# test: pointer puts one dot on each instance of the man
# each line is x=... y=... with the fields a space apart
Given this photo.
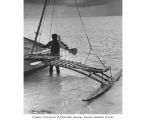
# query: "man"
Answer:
x=55 y=46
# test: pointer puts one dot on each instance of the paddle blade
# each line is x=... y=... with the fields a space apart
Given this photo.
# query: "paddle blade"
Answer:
x=73 y=51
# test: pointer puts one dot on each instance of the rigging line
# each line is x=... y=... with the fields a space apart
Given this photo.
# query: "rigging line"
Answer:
x=87 y=56
x=52 y=19
x=98 y=58
x=82 y=23
x=86 y=33
x=56 y=23
x=38 y=29
x=43 y=21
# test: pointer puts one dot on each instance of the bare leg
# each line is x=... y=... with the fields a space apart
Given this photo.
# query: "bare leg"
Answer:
x=57 y=69
x=51 y=70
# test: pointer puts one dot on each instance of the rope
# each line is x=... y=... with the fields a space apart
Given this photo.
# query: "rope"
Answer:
x=42 y=25
x=87 y=56
x=38 y=29
x=83 y=24
x=87 y=36
x=52 y=19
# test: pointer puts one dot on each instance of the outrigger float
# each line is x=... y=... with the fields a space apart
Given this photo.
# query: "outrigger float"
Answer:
x=40 y=59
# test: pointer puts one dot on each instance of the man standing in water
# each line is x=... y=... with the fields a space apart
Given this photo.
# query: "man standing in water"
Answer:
x=55 y=46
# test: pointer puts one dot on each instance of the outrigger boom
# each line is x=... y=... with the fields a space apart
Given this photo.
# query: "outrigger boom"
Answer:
x=102 y=76
x=99 y=75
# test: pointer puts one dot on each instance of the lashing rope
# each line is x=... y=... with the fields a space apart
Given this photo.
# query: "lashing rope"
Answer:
x=87 y=55
x=87 y=37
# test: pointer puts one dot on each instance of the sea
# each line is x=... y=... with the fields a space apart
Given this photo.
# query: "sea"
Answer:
x=63 y=94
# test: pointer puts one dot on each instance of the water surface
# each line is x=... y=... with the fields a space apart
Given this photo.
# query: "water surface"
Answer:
x=64 y=93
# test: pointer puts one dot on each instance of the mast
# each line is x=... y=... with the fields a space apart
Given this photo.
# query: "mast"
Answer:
x=38 y=29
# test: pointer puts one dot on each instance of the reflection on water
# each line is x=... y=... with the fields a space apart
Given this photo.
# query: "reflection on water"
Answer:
x=57 y=94
x=63 y=94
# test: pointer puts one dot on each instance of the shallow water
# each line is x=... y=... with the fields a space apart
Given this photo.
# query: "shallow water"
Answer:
x=64 y=93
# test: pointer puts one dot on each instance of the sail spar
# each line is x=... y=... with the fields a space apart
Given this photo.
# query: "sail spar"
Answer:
x=40 y=23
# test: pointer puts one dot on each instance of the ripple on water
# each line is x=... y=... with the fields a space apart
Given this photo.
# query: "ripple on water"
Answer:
x=64 y=94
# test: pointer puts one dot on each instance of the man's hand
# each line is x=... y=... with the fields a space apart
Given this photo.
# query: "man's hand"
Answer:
x=73 y=51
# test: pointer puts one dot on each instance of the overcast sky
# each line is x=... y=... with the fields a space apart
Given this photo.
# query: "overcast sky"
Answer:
x=87 y=7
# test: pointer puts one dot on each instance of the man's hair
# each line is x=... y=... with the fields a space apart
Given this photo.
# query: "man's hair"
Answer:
x=54 y=36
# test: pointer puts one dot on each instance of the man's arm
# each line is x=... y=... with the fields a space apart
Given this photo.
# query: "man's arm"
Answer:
x=72 y=50
x=62 y=45
x=65 y=46
x=47 y=45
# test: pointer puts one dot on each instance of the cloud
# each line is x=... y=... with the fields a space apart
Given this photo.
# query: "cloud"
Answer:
x=87 y=3
x=82 y=3
x=87 y=7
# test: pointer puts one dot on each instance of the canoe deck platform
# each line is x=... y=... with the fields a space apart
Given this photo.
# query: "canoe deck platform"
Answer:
x=102 y=76
x=99 y=75
x=94 y=73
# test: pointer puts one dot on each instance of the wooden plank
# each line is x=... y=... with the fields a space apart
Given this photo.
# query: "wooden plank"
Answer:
x=85 y=67
x=103 y=77
x=83 y=72
x=61 y=63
